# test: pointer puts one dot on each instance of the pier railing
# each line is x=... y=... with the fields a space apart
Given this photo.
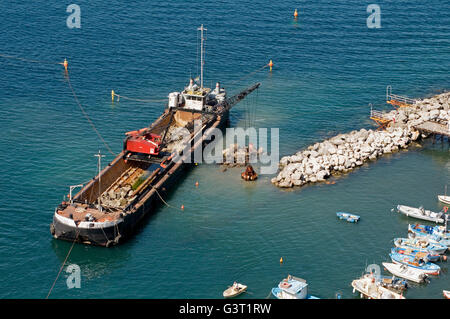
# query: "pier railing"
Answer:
x=380 y=118
x=398 y=100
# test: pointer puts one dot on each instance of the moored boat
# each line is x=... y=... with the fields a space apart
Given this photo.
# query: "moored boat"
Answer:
x=446 y=294
x=108 y=208
x=292 y=288
x=438 y=231
x=421 y=213
x=368 y=287
x=405 y=272
x=234 y=290
x=432 y=238
x=420 y=244
x=444 y=199
x=351 y=218
x=416 y=262
x=415 y=252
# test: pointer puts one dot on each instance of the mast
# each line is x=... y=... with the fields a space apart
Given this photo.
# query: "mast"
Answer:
x=99 y=178
x=201 y=54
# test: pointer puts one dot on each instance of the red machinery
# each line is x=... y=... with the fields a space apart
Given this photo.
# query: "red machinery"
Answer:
x=141 y=142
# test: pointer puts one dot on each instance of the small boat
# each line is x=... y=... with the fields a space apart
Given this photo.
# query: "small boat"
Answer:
x=432 y=238
x=445 y=199
x=234 y=290
x=420 y=244
x=351 y=218
x=393 y=283
x=421 y=213
x=446 y=294
x=441 y=231
x=416 y=262
x=414 y=252
x=419 y=229
x=292 y=288
x=368 y=287
x=406 y=272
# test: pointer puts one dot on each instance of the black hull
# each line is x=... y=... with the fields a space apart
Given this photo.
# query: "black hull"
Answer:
x=113 y=235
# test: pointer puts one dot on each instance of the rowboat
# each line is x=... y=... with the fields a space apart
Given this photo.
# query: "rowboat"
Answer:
x=446 y=294
x=420 y=244
x=292 y=288
x=432 y=238
x=351 y=218
x=414 y=252
x=406 y=272
x=416 y=262
x=234 y=290
x=421 y=213
x=440 y=231
x=393 y=283
x=444 y=199
x=368 y=287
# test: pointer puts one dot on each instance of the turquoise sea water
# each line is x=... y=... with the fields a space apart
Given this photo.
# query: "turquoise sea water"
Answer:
x=328 y=67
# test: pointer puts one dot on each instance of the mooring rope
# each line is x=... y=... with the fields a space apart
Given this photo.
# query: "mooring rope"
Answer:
x=249 y=74
x=29 y=60
x=167 y=204
x=70 y=86
x=86 y=115
x=62 y=266
x=136 y=100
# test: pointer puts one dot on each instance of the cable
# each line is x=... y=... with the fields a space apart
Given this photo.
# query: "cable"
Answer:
x=29 y=60
x=250 y=74
x=62 y=266
x=137 y=100
x=86 y=115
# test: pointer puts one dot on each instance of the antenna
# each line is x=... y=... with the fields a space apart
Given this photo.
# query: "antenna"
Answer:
x=201 y=54
x=99 y=155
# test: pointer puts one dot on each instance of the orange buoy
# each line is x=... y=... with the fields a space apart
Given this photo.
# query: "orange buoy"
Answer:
x=270 y=65
x=66 y=64
x=196 y=183
x=281 y=260
x=182 y=207
x=295 y=13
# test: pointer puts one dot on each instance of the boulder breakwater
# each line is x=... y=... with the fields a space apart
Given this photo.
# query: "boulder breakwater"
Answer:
x=344 y=152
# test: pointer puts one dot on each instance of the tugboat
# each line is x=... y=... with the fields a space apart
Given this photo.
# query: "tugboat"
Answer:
x=107 y=209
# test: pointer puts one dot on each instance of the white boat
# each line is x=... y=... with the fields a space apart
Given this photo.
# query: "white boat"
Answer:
x=292 y=288
x=234 y=290
x=444 y=199
x=406 y=272
x=446 y=294
x=369 y=288
x=421 y=213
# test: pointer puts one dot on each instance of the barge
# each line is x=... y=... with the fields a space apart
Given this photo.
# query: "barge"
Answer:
x=107 y=210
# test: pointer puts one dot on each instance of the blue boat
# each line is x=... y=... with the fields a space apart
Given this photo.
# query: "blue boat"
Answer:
x=422 y=244
x=415 y=252
x=351 y=218
x=416 y=262
x=433 y=234
x=292 y=288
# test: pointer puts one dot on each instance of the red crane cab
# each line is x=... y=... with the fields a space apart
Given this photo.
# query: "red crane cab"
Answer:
x=141 y=142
